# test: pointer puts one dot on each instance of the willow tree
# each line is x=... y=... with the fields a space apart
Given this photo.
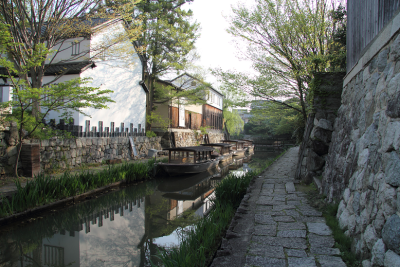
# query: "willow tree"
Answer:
x=287 y=41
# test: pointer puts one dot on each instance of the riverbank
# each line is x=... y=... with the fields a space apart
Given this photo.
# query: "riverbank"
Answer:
x=46 y=192
x=275 y=225
x=8 y=186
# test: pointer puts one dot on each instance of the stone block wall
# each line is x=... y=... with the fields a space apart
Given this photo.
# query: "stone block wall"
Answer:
x=185 y=137
x=62 y=153
x=317 y=137
x=363 y=164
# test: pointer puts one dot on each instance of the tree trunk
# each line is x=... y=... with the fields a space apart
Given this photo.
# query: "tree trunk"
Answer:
x=19 y=148
x=36 y=81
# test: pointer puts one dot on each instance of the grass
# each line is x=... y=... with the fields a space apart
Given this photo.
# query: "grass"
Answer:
x=342 y=241
x=44 y=189
x=201 y=241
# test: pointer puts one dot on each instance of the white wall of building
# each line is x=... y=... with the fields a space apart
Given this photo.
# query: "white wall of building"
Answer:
x=120 y=76
x=63 y=51
x=214 y=98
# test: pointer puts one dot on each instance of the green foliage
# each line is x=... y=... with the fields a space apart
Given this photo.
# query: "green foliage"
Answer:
x=203 y=129
x=287 y=41
x=337 y=45
x=201 y=240
x=234 y=123
x=168 y=43
x=271 y=118
x=150 y=134
x=166 y=93
x=168 y=35
x=342 y=241
x=45 y=189
x=154 y=118
x=64 y=97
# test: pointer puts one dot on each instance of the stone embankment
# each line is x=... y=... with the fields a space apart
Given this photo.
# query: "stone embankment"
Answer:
x=61 y=153
x=186 y=137
x=275 y=226
x=363 y=164
x=57 y=153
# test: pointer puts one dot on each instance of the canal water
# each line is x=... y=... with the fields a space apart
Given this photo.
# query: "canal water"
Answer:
x=124 y=227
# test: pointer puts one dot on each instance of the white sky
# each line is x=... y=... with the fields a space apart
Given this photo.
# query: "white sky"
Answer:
x=215 y=46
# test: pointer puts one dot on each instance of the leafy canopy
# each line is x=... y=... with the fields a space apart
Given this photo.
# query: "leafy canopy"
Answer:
x=62 y=97
x=287 y=41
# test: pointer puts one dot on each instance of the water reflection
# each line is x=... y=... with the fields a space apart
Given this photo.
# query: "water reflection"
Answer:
x=121 y=228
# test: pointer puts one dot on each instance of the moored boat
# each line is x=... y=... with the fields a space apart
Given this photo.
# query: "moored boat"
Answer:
x=188 y=160
x=222 y=151
x=237 y=147
x=248 y=145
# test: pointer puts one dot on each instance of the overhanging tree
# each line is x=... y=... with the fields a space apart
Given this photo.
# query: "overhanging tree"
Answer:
x=45 y=25
x=62 y=97
x=287 y=42
x=168 y=39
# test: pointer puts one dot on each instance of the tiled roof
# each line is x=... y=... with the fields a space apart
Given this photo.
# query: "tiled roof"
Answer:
x=62 y=68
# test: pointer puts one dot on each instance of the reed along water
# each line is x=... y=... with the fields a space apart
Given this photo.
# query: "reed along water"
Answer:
x=124 y=227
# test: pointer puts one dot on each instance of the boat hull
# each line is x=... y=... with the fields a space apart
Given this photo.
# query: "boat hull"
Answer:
x=239 y=153
x=191 y=168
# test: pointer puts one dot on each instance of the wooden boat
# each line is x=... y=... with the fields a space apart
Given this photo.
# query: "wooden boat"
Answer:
x=237 y=147
x=188 y=160
x=248 y=145
x=222 y=151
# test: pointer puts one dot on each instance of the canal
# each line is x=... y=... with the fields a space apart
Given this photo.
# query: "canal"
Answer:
x=124 y=227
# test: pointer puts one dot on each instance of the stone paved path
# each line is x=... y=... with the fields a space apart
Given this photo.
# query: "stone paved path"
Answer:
x=274 y=226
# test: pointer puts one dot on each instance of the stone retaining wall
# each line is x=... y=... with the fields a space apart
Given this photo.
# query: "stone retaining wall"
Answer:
x=363 y=165
x=317 y=137
x=62 y=153
x=185 y=137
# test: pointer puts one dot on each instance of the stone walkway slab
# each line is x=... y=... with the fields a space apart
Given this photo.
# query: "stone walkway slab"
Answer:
x=279 y=227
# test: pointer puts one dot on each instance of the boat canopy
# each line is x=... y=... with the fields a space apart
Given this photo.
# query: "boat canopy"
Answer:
x=190 y=149
x=218 y=144
x=222 y=148
x=237 y=144
x=189 y=154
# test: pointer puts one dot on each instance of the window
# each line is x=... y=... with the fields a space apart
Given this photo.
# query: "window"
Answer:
x=75 y=48
x=1 y=94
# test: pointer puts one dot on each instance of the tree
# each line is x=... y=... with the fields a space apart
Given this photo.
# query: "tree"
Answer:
x=271 y=118
x=41 y=27
x=287 y=42
x=181 y=91
x=62 y=97
x=168 y=39
x=233 y=122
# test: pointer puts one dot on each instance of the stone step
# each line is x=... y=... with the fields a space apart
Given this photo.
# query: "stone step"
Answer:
x=290 y=187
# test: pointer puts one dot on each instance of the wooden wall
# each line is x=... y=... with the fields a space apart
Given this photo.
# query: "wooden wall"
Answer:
x=192 y=119
x=174 y=116
x=364 y=21
x=212 y=117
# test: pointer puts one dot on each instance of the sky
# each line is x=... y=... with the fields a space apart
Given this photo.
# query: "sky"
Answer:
x=215 y=46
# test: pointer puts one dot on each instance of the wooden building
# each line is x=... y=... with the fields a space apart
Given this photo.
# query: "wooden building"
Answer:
x=181 y=116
